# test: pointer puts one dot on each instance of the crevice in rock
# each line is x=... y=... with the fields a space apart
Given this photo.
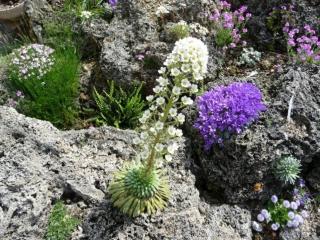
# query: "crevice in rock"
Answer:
x=69 y=194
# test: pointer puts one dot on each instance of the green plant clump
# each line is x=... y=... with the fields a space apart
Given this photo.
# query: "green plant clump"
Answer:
x=61 y=224
x=118 y=107
x=223 y=37
x=279 y=213
x=51 y=97
x=287 y=169
x=179 y=30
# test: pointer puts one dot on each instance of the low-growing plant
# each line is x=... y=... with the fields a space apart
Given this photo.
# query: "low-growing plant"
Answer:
x=249 y=57
x=143 y=186
x=59 y=32
x=280 y=214
x=179 y=30
x=85 y=9
x=223 y=37
x=226 y=110
x=49 y=81
x=118 y=107
x=303 y=44
x=228 y=25
x=61 y=224
x=287 y=169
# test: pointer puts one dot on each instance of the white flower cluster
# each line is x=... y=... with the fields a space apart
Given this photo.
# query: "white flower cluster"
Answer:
x=249 y=57
x=162 y=10
x=86 y=14
x=32 y=61
x=198 y=29
x=185 y=67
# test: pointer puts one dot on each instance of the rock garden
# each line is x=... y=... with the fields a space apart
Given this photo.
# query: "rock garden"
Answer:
x=159 y=120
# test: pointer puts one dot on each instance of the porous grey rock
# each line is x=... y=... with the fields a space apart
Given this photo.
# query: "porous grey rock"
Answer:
x=247 y=159
x=40 y=164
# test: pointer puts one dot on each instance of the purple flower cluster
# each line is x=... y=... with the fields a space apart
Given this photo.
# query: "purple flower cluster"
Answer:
x=226 y=110
x=303 y=42
x=280 y=214
x=224 y=18
x=113 y=3
x=301 y=194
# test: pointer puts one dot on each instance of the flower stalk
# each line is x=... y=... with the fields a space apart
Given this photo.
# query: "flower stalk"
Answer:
x=143 y=187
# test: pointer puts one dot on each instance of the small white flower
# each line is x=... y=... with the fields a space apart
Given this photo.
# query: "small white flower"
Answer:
x=86 y=14
x=144 y=154
x=185 y=83
x=185 y=68
x=163 y=81
x=175 y=72
x=142 y=120
x=160 y=101
x=168 y=157
x=144 y=135
x=159 y=125
x=181 y=118
x=159 y=147
x=157 y=89
x=162 y=70
x=176 y=90
x=172 y=131
x=179 y=133
x=186 y=100
x=152 y=130
x=194 y=88
x=150 y=98
x=173 y=112
x=172 y=148
x=153 y=107
x=146 y=114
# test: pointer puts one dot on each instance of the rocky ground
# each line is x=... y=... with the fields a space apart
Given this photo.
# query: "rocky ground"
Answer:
x=40 y=164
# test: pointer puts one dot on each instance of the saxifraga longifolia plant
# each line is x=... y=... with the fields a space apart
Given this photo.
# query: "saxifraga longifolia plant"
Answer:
x=143 y=187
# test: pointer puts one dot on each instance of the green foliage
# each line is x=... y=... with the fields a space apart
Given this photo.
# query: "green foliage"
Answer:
x=53 y=97
x=118 y=107
x=59 y=32
x=279 y=213
x=134 y=190
x=179 y=30
x=287 y=169
x=223 y=37
x=61 y=224
x=78 y=6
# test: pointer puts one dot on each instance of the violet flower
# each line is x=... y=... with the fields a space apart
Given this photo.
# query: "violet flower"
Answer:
x=227 y=110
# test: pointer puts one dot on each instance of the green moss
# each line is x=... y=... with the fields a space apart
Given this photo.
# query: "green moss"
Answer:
x=61 y=224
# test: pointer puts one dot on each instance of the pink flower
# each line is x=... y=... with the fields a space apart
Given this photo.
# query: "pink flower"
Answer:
x=245 y=30
x=140 y=57
x=248 y=15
